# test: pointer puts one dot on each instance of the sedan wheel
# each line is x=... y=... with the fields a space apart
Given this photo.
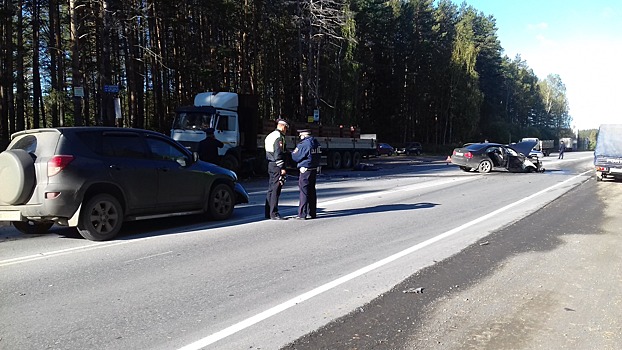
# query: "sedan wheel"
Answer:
x=485 y=166
x=101 y=218
x=221 y=202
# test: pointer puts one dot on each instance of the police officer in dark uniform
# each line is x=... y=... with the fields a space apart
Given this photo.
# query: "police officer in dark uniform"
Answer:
x=276 y=153
x=208 y=147
x=307 y=154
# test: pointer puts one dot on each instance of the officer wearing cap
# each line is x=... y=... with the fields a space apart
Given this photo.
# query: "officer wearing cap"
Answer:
x=275 y=154
x=307 y=154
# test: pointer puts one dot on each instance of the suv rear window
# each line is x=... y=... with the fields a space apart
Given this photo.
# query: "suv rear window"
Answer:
x=28 y=143
x=41 y=144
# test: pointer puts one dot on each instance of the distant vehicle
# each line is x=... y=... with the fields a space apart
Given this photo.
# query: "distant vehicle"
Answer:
x=96 y=178
x=410 y=148
x=484 y=157
x=569 y=142
x=385 y=149
x=536 y=153
x=237 y=124
x=608 y=152
x=544 y=146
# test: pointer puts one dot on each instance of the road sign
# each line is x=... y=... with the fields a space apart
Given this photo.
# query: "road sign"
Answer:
x=78 y=91
x=113 y=89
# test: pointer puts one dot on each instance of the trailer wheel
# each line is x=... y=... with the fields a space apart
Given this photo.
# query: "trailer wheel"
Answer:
x=356 y=159
x=335 y=160
x=346 y=160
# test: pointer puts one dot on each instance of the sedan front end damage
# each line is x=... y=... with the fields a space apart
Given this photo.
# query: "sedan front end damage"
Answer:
x=484 y=157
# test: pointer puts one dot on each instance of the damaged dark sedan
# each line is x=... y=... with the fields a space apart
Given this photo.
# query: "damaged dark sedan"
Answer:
x=485 y=157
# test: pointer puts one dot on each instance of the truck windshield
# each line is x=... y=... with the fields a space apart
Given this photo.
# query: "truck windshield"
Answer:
x=193 y=121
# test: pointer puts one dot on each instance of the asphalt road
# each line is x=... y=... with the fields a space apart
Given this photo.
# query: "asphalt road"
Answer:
x=253 y=283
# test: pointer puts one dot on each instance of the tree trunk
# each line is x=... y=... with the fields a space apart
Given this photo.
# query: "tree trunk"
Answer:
x=155 y=66
x=54 y=46
x=36 y=75
x=107 y=106
x=76 y=74
x=6 y=68
x=20 y=85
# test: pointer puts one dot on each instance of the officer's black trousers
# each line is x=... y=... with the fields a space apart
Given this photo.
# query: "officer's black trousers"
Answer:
x=274 y=191
x=308 y=196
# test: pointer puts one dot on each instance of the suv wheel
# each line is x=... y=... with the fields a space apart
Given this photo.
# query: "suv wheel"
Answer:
x=221 y=202
x=32 y=227
x=18 y=176
x=101 y=218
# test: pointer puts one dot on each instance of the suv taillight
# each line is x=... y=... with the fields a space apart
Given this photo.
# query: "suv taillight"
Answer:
x=57 y=163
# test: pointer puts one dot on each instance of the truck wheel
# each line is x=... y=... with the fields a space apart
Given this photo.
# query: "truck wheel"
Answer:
x=485 y=166
x=356 y=159
x=221 y=202
x=32 y=227
x=230 y=162
x=17 y=170
x=260 y=166
x=101 y=218
x=346 y=160
x=335 y=160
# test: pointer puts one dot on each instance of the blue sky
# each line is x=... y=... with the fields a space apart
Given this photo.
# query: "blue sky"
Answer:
x=580 y=40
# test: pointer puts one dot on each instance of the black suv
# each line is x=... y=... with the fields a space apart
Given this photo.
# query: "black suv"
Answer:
x=95 y=178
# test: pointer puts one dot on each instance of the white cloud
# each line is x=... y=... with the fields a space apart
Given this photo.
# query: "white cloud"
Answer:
x=538 y=26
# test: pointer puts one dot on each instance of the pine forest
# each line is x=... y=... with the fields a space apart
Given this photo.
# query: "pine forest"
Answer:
x=406 y=70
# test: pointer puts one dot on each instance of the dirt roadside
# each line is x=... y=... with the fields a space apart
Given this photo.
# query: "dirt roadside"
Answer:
x=550 y=281
x=569 y=297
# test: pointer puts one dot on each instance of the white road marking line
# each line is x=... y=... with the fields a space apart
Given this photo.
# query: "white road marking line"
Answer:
x=211 y=339
x=148 y=257
x=45 y=255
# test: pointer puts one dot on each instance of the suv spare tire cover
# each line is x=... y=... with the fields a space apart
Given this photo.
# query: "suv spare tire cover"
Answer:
x=17 y=172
